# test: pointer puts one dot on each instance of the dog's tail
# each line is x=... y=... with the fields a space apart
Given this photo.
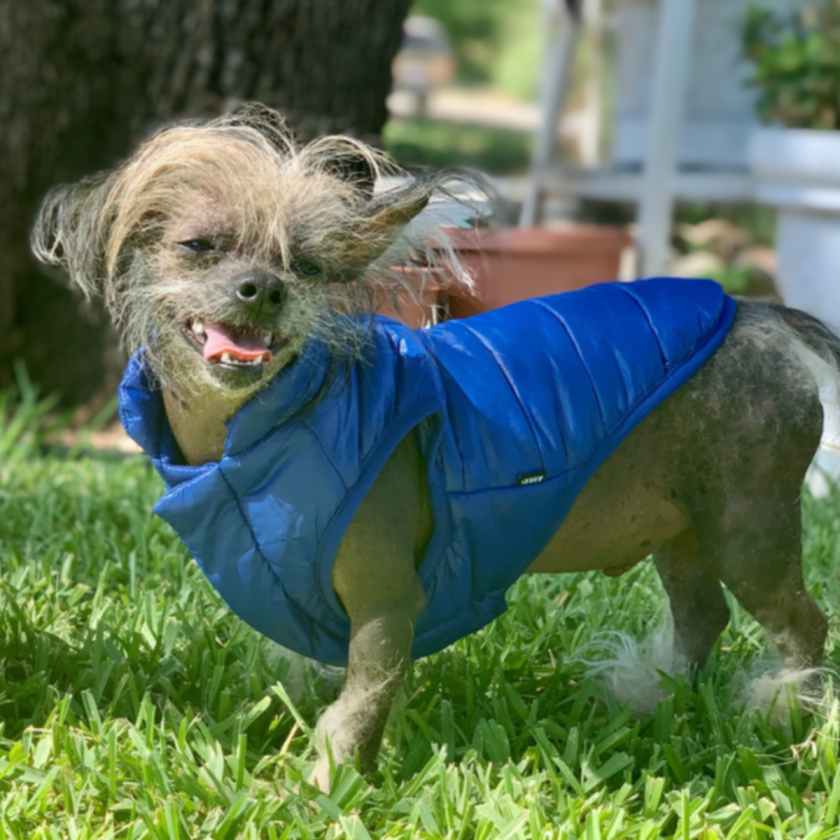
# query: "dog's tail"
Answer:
x=819 y=350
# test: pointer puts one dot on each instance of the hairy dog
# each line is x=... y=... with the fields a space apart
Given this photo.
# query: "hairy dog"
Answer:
x=232 y=261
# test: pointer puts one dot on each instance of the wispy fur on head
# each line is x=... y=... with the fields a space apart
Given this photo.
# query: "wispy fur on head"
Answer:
x=265 y=203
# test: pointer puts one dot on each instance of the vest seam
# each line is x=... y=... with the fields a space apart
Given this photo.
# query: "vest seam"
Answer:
x=494 y=356
x=650 y=324
x=249 y=527
x=325 y=453
x=573 y=340
x=443 y=373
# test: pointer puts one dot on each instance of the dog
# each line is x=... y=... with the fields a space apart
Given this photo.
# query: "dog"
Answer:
x=362 y=491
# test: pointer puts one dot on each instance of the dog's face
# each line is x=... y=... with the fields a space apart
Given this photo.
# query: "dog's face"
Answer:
x=222 y=249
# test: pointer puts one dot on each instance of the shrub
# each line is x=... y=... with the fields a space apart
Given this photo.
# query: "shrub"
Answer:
x=796 y=65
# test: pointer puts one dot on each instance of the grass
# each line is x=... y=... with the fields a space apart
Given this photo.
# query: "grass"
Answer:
x=134 y=705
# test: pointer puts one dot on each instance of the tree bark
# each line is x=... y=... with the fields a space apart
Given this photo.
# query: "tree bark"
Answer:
x=82 y=81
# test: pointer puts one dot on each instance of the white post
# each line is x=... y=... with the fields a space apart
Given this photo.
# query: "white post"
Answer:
x=670 y=75
x=590 y=135
x=557 y=66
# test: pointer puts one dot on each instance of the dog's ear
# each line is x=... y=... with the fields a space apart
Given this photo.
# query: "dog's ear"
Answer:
x=383 y=221
x=389 y=214
x=66 y=232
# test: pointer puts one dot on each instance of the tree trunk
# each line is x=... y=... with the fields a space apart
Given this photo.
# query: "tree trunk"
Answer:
x=81 y=81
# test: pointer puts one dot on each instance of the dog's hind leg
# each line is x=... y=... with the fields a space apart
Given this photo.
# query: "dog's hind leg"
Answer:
x=698 y=606
x=742 y=462
x=761 y=564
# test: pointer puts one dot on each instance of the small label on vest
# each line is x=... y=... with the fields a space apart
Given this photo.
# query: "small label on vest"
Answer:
x=530 y=478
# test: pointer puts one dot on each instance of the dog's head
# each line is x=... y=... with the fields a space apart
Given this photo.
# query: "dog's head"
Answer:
x=222 y=248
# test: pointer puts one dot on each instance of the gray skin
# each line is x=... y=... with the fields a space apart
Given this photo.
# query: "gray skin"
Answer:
x=709 y=484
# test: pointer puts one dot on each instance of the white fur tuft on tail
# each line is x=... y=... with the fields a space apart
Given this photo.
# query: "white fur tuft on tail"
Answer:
x=827 y=378
x=825 y=470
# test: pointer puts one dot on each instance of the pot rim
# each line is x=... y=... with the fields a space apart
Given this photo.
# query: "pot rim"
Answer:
x=795 y=155
x=569 y=239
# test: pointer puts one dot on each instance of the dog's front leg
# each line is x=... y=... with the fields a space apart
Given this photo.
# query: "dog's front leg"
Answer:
x=374 y=576
x=353 y=725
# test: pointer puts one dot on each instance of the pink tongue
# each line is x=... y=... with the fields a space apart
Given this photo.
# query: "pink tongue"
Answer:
x=244 y=348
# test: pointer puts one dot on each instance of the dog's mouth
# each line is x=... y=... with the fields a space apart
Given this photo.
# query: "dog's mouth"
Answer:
x=231 y=346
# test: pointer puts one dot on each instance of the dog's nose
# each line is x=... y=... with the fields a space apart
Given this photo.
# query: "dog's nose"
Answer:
x=259 y=289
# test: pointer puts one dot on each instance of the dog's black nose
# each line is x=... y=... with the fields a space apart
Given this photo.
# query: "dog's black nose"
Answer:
x=260 y=290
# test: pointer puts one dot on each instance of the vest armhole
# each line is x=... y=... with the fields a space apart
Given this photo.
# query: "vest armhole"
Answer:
x=334 y=532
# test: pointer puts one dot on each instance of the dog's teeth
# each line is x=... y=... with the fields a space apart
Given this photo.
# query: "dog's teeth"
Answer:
x=267 y=339
x=227 y=358
x=198 y=328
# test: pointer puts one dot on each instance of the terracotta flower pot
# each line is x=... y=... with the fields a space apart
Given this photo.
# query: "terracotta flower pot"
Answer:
x=419 y=309
x=518 y=263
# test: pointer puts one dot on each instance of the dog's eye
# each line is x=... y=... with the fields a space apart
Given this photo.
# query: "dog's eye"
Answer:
x=306 y=268
x=198 y=246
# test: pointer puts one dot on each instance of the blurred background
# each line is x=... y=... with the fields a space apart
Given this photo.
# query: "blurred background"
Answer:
x=690 y=137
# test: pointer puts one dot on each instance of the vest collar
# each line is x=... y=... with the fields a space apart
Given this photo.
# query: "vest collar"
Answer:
x=143 y=415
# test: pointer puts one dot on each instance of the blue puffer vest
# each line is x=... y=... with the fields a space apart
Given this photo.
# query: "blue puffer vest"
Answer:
x=513 y=409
